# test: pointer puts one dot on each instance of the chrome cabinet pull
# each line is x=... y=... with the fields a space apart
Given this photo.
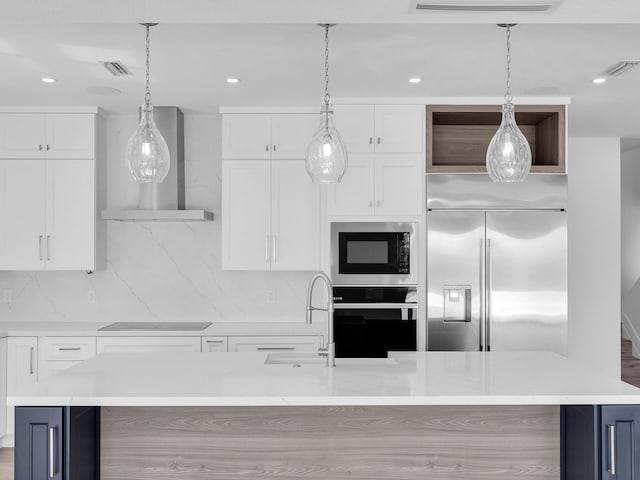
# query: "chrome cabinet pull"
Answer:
x=40 y=246
x=48 y=148
x=266 y=148
x=370 y=140
x=214 y=341
x=276 y=348
x=69 y=349
x=378 y=203
x=48 y=247
x=274 y=248
x=31 y=350
x=483 y=277
x=52 y=451
x=39 y=148
x=489 y=295
x=274 y=148
x=370 y=203
x=612 y=449
x=378 y=140
x=266 y=248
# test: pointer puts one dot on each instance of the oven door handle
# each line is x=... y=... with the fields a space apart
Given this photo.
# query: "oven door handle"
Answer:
x=373 y=306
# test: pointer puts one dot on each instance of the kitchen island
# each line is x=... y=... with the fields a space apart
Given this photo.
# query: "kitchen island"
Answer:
x=454 y=415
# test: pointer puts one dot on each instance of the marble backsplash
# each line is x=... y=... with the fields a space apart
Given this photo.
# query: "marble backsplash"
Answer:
x=156 y=270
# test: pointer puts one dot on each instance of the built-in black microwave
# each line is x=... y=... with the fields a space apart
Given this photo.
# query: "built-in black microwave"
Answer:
x=373 y=253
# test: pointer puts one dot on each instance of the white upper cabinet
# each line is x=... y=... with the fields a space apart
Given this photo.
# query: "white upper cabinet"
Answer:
x=270 y=216
x=246 y=136
x=291 y=133
x=379 y=185
x=295 y=217
x=47 y=135
x=48 y=198
x=264 y=135
x=246 y=210
x=381 y=128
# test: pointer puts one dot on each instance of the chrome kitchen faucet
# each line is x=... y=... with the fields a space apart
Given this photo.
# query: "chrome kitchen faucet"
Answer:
x=329 y=351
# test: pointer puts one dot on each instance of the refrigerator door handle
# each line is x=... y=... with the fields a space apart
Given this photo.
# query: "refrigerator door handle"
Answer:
x=489 y=295
x=483 y=276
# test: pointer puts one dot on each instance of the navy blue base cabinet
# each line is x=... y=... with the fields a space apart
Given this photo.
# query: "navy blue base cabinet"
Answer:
x=600 y=442
x=57 y=443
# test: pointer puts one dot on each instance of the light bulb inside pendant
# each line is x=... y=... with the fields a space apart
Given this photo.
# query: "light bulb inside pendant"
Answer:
x=508 y=157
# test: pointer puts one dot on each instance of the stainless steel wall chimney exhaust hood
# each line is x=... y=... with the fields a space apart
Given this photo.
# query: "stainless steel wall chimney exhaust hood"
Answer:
x=171 y=203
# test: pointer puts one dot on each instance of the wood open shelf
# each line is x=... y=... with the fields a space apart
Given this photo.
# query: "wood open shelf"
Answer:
x=458 y=136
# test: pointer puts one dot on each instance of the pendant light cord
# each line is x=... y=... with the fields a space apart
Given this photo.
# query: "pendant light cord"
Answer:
x=327 y=96
x=147 y=94
x=508 y=98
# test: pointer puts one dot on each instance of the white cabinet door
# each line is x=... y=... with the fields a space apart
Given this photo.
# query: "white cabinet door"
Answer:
x=355 y=123
x=70 y=218
x=398 y=189
x=246 y=209
x=291 y=133
x=22 y=214
x=290 y=343
x=214 y=344
x=56 y=349
x=70 y=135
x=295 y=217
x=246 y=136
x=22 y=371
x=354 y=194
x=399 y=128
x=148 y=344
x=22 y=135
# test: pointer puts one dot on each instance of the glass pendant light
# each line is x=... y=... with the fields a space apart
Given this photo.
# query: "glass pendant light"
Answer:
x=147 y=152
x=509 y=153
x=326 y=155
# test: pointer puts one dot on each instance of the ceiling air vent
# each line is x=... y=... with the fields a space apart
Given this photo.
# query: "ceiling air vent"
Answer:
x=116 y=69
x=620 y=68
x=475 y=6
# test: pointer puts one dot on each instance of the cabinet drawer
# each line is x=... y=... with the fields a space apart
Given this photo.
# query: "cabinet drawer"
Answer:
x=309 y=343
x=66 y=348
x=148 y=344
x=214 y=344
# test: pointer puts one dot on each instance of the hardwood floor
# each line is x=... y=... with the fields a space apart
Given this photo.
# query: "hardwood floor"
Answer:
x=630 y=365
x=6 y=463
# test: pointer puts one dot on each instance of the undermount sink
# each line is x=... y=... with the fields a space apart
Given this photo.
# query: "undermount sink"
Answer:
x=290 y=358
x=155 y=326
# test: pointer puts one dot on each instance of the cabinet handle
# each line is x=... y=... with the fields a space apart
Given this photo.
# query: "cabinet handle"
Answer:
x=39 y=148
x=214 y=341
x=370 y=140
x=378 y=203
x=276 y=348
x=52 y=451
x=48 y=247
x=274 y=148
x=612 y=449
x=266 y=148
x=48 y=148
x=69 y=349
x=274 y=248
x=31 y=350
x=266 y=248
x=40 y=246
x=378 y=140
x=370 y=203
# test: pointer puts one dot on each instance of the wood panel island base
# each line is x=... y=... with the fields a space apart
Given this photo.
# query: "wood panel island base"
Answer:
x=448 y=415
x=406 y=442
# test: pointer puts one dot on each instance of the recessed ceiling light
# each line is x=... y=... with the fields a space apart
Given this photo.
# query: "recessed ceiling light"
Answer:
x=415 y=80
x=48 y=80
x=599 y=80
x=233 y=80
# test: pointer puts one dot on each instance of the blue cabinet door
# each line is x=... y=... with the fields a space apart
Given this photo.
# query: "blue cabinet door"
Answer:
x=38 y=443
x=620 y=440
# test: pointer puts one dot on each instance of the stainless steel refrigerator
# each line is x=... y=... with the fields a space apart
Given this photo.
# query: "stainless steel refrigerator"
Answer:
x=496 y=264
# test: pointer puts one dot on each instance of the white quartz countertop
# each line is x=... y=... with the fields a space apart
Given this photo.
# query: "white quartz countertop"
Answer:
x=244 y=379
x=80 y=329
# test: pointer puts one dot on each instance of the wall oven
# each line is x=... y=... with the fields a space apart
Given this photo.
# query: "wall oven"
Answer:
x=373 y=253
x=369 y=322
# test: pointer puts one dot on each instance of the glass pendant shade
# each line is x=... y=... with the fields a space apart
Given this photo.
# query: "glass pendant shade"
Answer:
x=509 y=153
x=326 y=155
x=147 y=150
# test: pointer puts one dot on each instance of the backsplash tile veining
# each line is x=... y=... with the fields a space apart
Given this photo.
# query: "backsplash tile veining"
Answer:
x=159 y=271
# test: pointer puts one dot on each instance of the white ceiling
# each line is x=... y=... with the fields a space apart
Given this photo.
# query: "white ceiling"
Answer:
x=277 y=51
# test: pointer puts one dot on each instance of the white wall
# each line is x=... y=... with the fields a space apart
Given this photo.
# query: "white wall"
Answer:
x=594 y=253
x=159 y=270
x=630 y=243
